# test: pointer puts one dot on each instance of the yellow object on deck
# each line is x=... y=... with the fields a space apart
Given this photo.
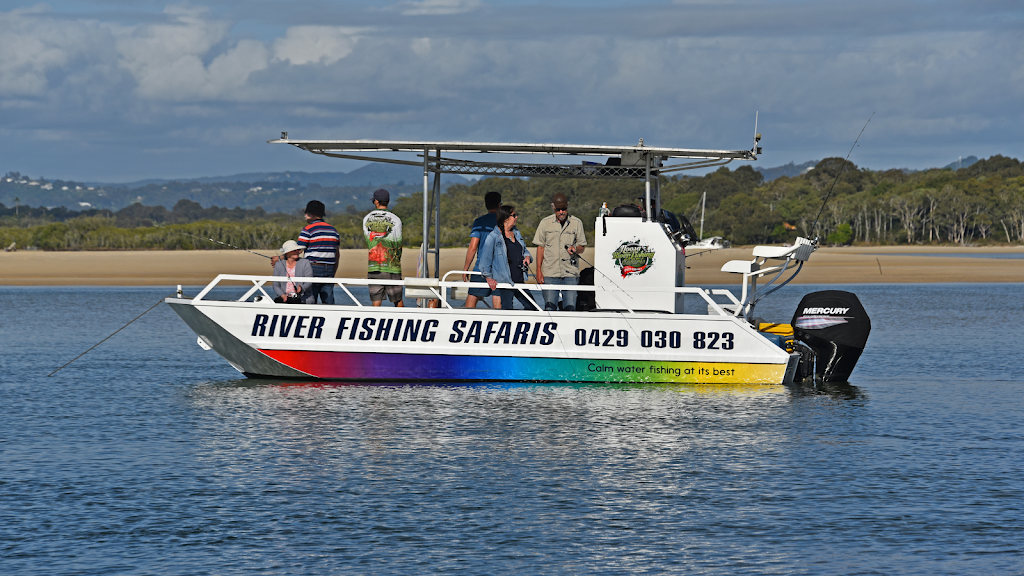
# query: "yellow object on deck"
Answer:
x=780 y=329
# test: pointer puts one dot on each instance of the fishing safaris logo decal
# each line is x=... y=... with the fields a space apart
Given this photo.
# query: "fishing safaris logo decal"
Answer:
x=378 y=226
x=632 y=257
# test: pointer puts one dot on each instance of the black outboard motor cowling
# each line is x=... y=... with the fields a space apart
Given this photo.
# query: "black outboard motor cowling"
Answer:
x=585 y=299
x=835 y=325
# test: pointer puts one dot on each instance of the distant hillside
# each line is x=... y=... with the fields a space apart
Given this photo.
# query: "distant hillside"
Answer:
x=979 y=204
x=375 y=174
x=273 y=191
x=285 y=192
x=961 y=163
x=791 y=170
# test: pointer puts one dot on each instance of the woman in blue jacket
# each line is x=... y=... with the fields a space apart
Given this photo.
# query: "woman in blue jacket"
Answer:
x=503 y=258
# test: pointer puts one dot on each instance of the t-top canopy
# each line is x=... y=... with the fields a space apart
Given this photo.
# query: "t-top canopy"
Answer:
x=623 y=161
x=507 y=148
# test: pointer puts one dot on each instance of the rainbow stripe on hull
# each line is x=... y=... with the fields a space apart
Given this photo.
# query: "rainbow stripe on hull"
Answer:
x=433 y=367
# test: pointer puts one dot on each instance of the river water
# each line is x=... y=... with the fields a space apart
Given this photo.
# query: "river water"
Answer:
x=152 y=456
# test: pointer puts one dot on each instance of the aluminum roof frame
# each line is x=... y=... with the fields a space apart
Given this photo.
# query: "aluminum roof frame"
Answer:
x=438 y=164
x=508 y=148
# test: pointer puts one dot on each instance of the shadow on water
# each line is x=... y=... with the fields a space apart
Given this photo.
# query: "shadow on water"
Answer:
x=834 y=390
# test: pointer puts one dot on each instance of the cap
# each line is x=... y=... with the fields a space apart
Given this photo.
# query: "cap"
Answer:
x=381 y=195
x=315 y=208
x=289 y=246
x=560 y=201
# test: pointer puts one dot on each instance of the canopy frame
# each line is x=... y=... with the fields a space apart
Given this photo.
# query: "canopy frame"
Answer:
x=642 y=162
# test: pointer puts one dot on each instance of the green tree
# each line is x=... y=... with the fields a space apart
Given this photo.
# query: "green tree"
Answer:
x=842 y=235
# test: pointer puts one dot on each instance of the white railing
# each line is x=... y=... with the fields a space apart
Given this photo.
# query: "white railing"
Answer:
x=437 y=289
x=791 y=256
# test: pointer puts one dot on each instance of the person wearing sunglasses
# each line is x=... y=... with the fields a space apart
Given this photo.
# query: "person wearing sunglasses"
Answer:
x=560 y=238
x=504 y=258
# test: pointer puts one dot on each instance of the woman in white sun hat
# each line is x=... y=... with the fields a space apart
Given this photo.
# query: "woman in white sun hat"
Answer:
x=293 y=265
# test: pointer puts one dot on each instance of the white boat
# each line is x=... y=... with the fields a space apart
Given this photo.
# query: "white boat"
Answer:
x=647 y=326
x=702 y=243
x=712 y=243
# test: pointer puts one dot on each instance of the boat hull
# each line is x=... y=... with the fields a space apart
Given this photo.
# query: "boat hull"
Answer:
x=416 y=345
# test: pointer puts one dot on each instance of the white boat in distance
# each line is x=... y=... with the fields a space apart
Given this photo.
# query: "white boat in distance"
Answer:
x=643 y=328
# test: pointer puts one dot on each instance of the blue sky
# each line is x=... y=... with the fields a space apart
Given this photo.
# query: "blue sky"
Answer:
x=118 y=90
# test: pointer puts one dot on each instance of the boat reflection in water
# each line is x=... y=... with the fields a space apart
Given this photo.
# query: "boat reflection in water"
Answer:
x=683 y=388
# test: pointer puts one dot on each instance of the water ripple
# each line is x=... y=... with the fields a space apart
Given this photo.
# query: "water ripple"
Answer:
x=151 y=456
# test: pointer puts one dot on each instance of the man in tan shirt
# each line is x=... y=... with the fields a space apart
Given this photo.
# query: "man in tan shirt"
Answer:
x=559 y=239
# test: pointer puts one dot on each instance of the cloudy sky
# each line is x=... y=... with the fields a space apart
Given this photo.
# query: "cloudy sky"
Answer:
x=118 y=90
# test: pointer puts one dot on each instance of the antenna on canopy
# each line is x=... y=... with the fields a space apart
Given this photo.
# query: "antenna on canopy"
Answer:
x=757 y=136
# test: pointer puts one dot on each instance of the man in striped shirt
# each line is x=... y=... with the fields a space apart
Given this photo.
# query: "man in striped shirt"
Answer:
x=320 y=241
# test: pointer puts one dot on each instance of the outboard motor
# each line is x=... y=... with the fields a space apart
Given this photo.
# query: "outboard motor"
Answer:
x=835 y=326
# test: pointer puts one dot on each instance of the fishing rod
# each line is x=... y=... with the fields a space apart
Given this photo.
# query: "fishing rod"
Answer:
x=841 y=170
x=212 y=240
x=636 y=333
x=612 y=292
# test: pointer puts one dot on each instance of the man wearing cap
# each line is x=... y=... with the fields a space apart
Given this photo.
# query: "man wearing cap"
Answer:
x=320 y=241
x=383 y=233
x=559 y=239
x=482 y=226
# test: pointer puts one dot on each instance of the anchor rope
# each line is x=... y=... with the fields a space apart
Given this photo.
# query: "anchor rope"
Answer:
x=108 y=337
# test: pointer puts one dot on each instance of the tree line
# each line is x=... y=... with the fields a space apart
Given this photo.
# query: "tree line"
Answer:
x=982 y=203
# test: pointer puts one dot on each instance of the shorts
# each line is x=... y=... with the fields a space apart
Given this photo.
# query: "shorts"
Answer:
x=480 y=292
x=377 y=291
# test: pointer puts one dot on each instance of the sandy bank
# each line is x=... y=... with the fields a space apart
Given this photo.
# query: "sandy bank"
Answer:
x=899 y=264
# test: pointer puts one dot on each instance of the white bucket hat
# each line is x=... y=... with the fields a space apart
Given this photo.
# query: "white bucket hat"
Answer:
x=290 y=246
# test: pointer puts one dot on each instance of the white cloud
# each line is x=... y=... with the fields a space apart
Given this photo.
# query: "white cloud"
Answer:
x=33 y=44
x=232 y=68
x=437 y=7
x=316 y=44
x=166 y=59
x=420 y=46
